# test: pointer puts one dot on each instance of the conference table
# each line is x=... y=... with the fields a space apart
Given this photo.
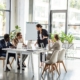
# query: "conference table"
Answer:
x=26 y=52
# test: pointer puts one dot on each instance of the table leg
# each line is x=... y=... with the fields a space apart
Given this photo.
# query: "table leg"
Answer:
x=38 y=66
x=21 y=63
x=6 y=61
x=16 y=63
x=28 y=60
x=32 y=64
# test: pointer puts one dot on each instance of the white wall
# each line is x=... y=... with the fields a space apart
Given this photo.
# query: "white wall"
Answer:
x=13 y=13
x=19 y=14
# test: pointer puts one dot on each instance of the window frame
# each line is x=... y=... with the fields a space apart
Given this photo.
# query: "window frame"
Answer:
x=9 y=11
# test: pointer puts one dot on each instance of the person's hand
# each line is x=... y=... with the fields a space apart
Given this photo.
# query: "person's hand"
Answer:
x=12 y=47
x=25 y=45
x=49 y=41
x=35 y=44
x=44 y=37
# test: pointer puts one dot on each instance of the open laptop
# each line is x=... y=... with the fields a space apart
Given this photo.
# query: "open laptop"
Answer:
x=19 y=45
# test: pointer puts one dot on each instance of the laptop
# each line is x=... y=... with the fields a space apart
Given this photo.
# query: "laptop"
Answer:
x=19 y=45
x=29 y=45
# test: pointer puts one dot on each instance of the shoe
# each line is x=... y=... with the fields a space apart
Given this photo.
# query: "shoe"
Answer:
x=19 y=68
x=23 y=65
x=7 y=69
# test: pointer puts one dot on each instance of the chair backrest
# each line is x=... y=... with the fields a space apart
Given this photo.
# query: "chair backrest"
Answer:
x=61 y=55
x=54 y=57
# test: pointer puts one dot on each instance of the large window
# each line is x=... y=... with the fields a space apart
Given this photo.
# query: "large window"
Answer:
x=58 y=16
x=41 y=12
x=4 y=16
x=58 y=22
x=58 y=4
x=63 y=21
x=74 y=12
x=74 y=18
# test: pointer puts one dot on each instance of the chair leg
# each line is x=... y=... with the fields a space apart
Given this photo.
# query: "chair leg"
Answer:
x=57 y=69
x=64 y=66
x=11 y=63
x=45 y=68
x=57 y=65
x=52 y=68
x=49 y=68
x=3 y=63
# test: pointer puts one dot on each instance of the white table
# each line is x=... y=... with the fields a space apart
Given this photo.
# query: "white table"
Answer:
x=38 y=53
x=28 y=52
x=16 y=51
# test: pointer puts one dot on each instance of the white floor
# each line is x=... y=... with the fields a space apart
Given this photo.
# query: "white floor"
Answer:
x=72 y=65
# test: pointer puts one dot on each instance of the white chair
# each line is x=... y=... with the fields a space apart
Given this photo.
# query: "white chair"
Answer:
x=61 y=57
x=52 y=62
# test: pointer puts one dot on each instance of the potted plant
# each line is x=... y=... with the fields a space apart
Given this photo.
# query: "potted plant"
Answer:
x=69 y=38
x=62 y=36
x=66 y=39
x=51 y=35
x=14 y=32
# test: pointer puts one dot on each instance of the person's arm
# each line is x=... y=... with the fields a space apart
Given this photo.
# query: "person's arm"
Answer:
x=0 y=46
x=35 y=43
x=23 y=43
x=12 y=46
x=55 y=45
x=37 y=38
x=45 y=35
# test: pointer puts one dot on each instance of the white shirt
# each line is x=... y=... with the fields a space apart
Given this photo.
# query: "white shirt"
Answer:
x=6 y=43
x=40 y=35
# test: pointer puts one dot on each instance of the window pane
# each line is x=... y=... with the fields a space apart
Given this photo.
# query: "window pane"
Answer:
x=41 y=11
x=58 y=22
x=5 y=4
x=4 y=22
x=58 y=4
x=75 y=31
x=74 y=11
x=45 y=26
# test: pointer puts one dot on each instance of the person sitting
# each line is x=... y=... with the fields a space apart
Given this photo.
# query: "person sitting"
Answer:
x=17 y=40
x=5 y=43
x=56 y=46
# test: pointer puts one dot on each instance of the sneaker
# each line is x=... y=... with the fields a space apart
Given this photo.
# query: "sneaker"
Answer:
x=19 y=68
x=7 y=69
x=23 y=65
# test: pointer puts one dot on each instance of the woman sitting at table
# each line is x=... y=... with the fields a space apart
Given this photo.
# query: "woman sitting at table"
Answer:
x=17 y=40
x=57 y=45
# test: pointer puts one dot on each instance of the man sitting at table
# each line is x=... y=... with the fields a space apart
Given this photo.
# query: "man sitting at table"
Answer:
x=5 y=43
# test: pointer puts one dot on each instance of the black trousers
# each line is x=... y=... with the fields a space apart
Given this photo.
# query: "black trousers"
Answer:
x=45 y=44
x=12 y=55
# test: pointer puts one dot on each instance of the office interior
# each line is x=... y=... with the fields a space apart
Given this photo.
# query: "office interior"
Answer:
x=56 y=16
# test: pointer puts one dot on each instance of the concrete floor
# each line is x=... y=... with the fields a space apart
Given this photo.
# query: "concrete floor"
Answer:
x=72 y=65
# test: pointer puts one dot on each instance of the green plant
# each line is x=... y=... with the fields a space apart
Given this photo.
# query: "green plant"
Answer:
x=14 y=32
x=69 y=38
x=62 y=36
x=51 y=35
x=66 y=37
